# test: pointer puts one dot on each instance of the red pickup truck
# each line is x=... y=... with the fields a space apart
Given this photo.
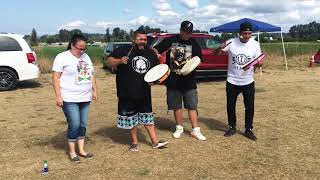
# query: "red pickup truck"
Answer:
x=212 y=65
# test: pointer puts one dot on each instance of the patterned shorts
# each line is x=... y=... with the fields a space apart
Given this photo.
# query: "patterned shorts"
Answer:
x=134 y=112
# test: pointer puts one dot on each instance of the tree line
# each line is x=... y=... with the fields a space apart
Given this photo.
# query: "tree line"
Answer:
x=117 y=34
x=306 y=32
x=64 y=35
x=300 y=32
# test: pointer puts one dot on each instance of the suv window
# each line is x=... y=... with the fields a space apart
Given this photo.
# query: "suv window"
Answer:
x=209 y=43
x=112 y=46
x=120 y=45
x=109 y=47
x=9 y=44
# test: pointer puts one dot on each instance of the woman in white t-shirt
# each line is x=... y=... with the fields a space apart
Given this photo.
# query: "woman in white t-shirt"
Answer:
x=75 y=87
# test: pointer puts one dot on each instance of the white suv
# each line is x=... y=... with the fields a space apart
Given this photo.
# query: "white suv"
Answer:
x=17 y=61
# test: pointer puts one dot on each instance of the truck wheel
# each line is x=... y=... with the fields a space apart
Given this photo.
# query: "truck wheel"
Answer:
x=8 y=79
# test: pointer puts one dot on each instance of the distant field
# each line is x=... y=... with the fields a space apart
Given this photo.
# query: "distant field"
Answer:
x=49 y=53
x=292 y=48
x=297 y=54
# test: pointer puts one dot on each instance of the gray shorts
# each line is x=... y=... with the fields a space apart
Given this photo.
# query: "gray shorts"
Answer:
x=175 y=98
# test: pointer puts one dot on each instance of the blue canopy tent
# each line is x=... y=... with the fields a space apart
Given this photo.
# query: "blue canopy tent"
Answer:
x=257 y=26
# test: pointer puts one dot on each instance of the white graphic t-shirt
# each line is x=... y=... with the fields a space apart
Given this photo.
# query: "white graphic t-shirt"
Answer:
x=240 y=54
x=76 y=76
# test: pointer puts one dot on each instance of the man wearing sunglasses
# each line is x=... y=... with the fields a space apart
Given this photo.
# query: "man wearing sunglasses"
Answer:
x=241 y=50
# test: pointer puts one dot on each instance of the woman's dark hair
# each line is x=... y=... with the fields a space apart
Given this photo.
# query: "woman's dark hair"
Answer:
x=76 y=38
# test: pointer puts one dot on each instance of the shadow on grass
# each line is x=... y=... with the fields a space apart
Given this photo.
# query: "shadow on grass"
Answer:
x=58 y=141
x=165 y=124
x=170 y=125
x=214 y=124
x=217 y=125
x=28 y=84
x=122 y=136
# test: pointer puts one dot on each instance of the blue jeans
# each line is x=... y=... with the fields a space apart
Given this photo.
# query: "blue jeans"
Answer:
x=77 y=118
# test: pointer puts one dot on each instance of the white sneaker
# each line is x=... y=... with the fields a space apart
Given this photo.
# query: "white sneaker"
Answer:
x=197 y=134
x=178 y=132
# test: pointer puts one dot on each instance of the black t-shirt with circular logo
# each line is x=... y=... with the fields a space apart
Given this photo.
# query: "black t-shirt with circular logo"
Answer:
x=130 y=76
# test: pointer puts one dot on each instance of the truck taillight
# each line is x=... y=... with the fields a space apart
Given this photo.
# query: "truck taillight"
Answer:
x=31 y=58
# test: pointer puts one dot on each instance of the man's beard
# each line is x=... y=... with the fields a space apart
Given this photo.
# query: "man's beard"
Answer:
x=141 y=46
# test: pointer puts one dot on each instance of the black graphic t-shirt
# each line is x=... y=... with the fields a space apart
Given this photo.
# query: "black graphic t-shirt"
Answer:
x=130 y=76
x=178 y=52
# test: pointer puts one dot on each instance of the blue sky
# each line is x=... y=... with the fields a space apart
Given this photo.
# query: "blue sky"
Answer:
x=47 y=17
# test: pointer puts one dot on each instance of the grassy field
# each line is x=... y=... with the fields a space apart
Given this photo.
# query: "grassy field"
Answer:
x=297 y=54
x=47 y=54
x=292 y=48
x=286 y=123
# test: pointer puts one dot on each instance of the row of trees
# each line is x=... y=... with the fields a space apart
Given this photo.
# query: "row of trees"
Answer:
x=301 y=32
x=306 y=32
x=117 y=34
x=64 y=35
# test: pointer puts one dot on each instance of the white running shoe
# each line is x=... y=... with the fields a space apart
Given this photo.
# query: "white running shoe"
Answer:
x=197 y=134
x=178 y=132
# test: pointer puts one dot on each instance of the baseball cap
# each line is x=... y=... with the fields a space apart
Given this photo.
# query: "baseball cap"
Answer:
x=186 y=26
x=245 y=26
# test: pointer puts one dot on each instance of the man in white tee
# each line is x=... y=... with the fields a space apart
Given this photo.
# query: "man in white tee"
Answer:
x=241 y=51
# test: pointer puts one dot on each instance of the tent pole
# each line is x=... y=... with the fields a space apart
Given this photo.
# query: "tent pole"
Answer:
x=260 y=68
x=284 y=52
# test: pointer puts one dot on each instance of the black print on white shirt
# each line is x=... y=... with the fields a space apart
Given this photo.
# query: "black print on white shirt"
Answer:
x=240 y=59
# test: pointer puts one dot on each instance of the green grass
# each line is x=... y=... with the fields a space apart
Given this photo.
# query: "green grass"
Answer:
x=295 y=51
x=49 y=53
x=292 y=48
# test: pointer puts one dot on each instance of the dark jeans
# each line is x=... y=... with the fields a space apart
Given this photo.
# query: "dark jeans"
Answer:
x=248 y=92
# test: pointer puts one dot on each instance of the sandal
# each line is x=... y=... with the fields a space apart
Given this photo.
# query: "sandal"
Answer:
x=133 y=147
x=161 y=144
x=87 y=156
x=75 y=159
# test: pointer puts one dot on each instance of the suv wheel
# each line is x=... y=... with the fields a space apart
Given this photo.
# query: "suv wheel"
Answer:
x=8 y=79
